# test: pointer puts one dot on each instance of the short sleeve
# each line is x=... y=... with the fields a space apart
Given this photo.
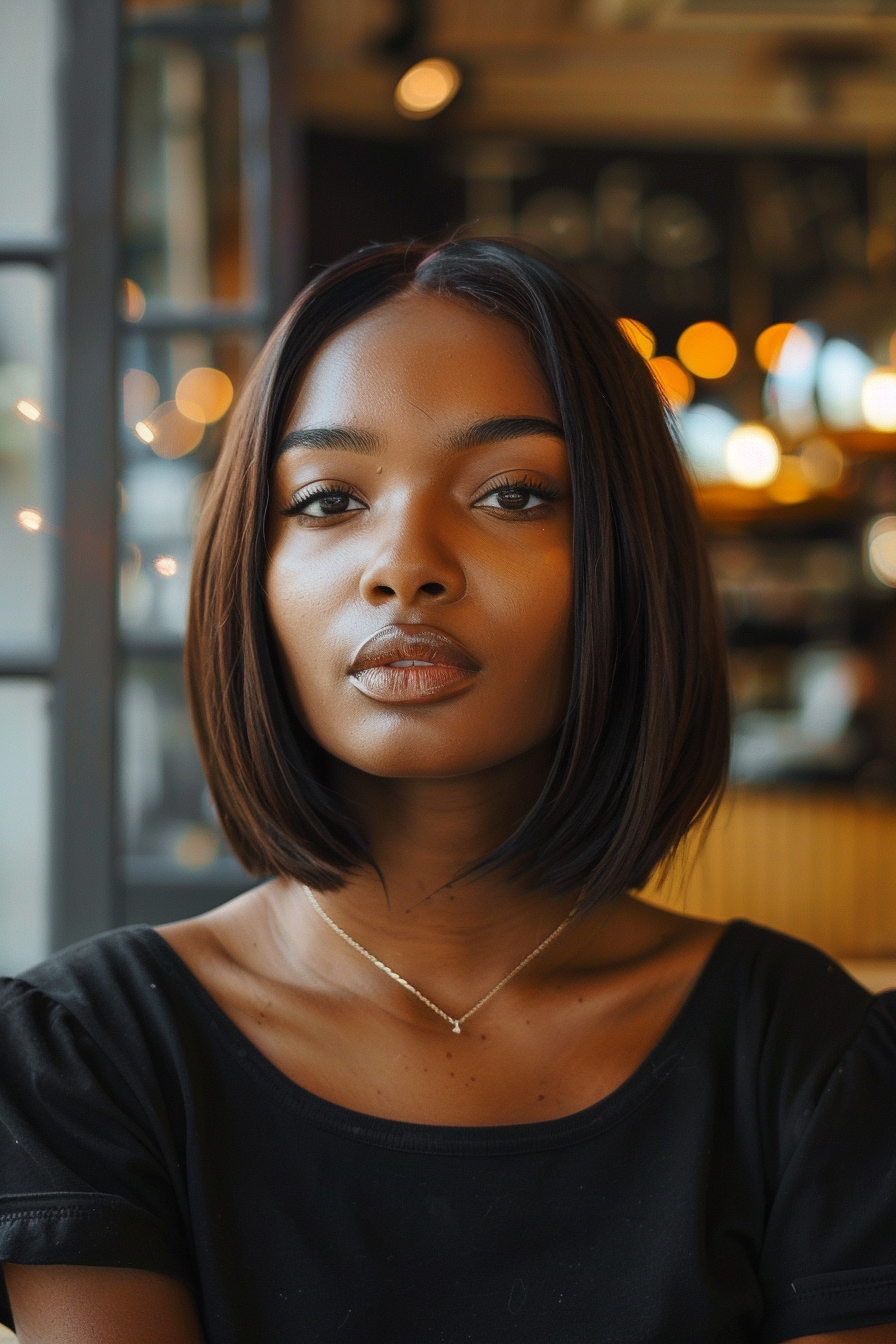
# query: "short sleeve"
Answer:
x=829 y=1257
x=83 y=1178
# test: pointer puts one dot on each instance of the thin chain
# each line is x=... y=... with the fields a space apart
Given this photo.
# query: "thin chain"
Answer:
x=456 y=1022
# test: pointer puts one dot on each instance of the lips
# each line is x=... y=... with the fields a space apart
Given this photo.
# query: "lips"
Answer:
x=407 y=664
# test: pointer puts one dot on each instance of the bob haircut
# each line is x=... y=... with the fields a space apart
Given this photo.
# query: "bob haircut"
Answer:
x=642 y=753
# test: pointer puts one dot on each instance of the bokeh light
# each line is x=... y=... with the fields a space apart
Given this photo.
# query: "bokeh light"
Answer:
x=638 y=335
x=675 y=383
x=139 y=396
x=821 y=463
x=707 y=349
x=881 y=549
x=427 y=88
x=879 y=399
x=839 y=378
x=26 y=409
x=752 y=455
x=29 y=520
x=165 y=565
x=133 y=301
x=168 y=433
x=790 y=485
x=204 y=395
x=770 y=343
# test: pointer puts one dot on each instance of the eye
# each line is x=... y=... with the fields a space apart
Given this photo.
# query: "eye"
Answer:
x=323 y=502
x=516 y=496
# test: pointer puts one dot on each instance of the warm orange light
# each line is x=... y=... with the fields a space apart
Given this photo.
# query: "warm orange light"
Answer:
x=168 y=433
x=204 y=395
x=427 y=88
x=708 y=349
x=641 y=337
x=139 y=396
x=29 y=520
x=674 y=382
x=770 y=343
x=133 y=301
x=790 y=485
x=166 y=565
x=26 y=409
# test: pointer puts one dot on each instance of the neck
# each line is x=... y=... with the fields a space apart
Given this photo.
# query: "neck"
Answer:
x=452 y=935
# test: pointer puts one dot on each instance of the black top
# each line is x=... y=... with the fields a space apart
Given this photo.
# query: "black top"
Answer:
x=741 y=1185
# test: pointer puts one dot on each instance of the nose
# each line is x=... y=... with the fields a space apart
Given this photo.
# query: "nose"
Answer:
x=412 y=561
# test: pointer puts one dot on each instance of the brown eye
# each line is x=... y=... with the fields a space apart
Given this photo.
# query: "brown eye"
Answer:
x=512 y=497
x=325 y=504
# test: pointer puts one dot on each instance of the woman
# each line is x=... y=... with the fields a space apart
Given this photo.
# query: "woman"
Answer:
x=458 y=681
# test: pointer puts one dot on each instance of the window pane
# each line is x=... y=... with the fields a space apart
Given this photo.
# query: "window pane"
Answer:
x=196 y=171
x=27 y=437
x=24 y=823
x=28 y=119
x=169 y=386
x=169 y=821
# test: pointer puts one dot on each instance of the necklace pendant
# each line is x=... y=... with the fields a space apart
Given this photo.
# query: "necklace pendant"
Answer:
x=456 y=1029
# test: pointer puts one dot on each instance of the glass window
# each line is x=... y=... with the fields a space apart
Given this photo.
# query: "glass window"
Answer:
x=169 y=821
x=176 y=392
x=195 y=162
x=27 y=438
x=24 y=823
x=27 y=116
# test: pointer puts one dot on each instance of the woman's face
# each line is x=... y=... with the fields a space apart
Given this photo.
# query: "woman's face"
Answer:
x=420 y=540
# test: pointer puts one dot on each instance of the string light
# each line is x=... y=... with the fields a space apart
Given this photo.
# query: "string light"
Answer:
x=708 y=349
x=427 y=88
x=165 y=565
x=26 y=409
x=29 y=520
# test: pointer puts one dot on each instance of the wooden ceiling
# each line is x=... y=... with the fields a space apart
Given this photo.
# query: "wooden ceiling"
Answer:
x=724 y=72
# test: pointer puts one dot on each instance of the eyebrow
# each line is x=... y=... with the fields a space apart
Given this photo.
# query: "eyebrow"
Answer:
x=500 y=428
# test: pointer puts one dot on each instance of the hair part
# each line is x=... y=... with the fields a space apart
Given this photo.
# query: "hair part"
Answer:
x=642 y=753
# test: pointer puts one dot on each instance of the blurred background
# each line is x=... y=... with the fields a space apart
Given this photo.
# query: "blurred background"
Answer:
x=723 y=172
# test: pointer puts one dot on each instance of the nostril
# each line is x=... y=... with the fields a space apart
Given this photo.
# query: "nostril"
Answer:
x=432 y=589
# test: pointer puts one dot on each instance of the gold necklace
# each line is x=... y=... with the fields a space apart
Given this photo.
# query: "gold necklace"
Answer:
x=456 y=1022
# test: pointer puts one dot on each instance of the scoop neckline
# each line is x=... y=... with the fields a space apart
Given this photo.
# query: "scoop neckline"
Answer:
x=469 y=1140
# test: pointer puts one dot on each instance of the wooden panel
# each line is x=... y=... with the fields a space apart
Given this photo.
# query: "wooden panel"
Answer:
x=822 y=868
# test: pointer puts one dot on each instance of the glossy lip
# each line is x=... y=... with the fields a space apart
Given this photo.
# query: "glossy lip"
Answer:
x=435 y=665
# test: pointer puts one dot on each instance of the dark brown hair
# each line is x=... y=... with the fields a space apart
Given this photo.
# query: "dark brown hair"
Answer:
x=642 y=752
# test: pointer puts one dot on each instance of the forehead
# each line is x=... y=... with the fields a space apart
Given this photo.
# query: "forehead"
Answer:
x=424 y=355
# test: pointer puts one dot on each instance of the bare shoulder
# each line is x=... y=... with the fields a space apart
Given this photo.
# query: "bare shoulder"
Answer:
x=229 y=942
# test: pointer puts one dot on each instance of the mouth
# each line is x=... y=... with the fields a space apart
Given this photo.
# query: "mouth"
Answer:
x=404 y=665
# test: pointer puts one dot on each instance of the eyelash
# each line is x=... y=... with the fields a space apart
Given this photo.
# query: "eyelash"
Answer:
x=545 y=493
x=548 y=494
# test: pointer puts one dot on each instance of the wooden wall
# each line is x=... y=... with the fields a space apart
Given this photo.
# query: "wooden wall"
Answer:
x=820 y=867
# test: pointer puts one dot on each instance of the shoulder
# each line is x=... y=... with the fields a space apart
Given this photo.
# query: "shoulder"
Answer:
x=117 y=997
x=782 y=980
